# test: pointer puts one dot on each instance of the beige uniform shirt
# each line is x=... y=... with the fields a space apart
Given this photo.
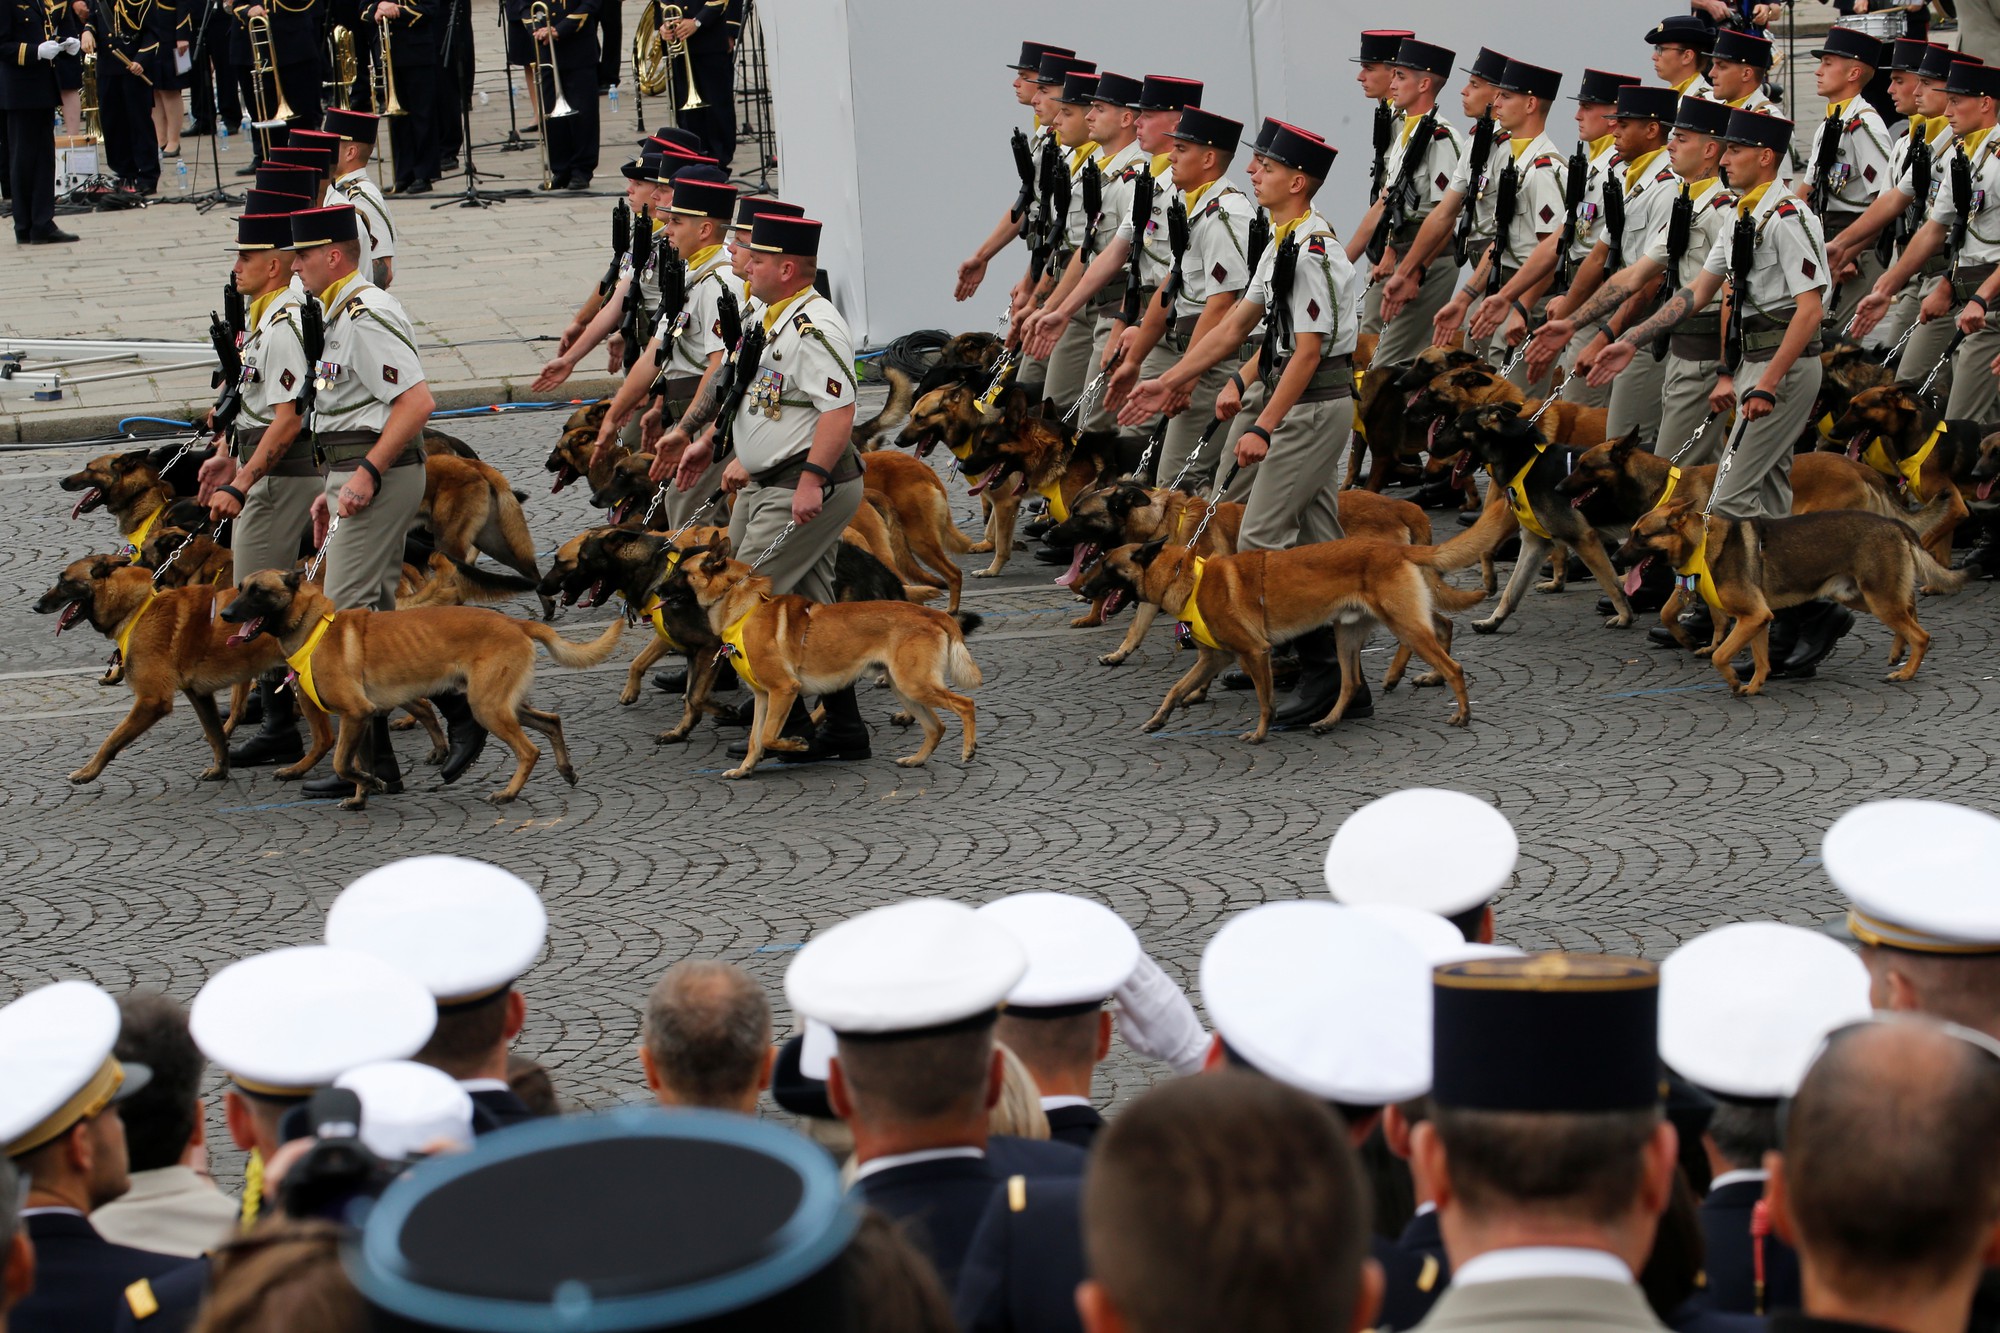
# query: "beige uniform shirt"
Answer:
x=807 y=368
x=378 y=233
x=708 y=276
x=1541 y=171
x=1861 y=163
x=1714 y=213
x=1982 y=231
x=369 y=360
x=1323 y=283
x=1605 y=164
x=1218 y=228
x=274 y=358
x=1441 y=155
x=1790 y=258
x=1482 y=195
x=1158 y=259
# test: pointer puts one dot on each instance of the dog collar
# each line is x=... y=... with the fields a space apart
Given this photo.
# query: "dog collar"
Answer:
x=1907 y=473
x=1052 y=492
x=1673 y=484
x=1695 y=576
x=1191 y=611
x=738 y=655
x=1824 y=426
x=656 y=611
x=125 y=635
x=301 y=662
x=1517 y=495
x=137 y=538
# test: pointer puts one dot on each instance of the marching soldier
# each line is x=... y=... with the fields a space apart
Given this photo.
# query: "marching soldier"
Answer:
x=313 y=150
x=795 y=473
x=690 y=352
x=357 y=131
x=1775 y=259
x=28 y=50
x=1849 y=162
x=1070 y=360
x=973 y=271
x=368 y=421
x=1046 y=232
x=1207 y=278
x=1463 y=217
x=1529 y=197
x=1681 y=46
x=264 y=479
x=1738 y=68
x=1377 y=68
x=412 y=56
x=1424 y=153
x=572 y=140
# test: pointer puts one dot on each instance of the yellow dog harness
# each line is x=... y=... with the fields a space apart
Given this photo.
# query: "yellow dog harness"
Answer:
x=1695 y=576
x=125 y=635
x=1517 y=495
x=1907 y=473
x=301 y=662
x=655 y=609
x=1191 y=611
x=1052 y=492
x=738 y=655
x=137 y=539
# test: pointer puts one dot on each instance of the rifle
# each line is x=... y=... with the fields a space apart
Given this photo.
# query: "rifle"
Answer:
x=741 y=369
x=1573 y=191
x=1961 y=201
x=312 y=337
x=1826 y=151
x=1400 y=199
x=1257 y=242
x=1614 y=222
x=224 y=332
x=1024 y=167
x=1093 y=207
x=671 y=315
x=1142 y=217
x=1278 y=317
x=1921 y=164
x=1477 y=155
x=1177 y=242
x=632 y=318
x=1680 y=230
x=1742 y=257
x=1385 y=128
x=621 y=241
x=1503 y=221
x=1058 y=221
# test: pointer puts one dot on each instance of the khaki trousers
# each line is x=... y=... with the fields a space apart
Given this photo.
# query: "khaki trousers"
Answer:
x=1974 y=392
x=804 y=564
x=1291 y=497
x=1924 y=348
x=364 y=557
x=1184 y=432
x=1635 y=400
x=1684 y=405
x=1756 y=482
x=276 y=513
x=1410 y=332
x=1070 y=364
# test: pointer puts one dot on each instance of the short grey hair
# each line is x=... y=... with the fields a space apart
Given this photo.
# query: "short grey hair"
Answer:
x=708 y=1031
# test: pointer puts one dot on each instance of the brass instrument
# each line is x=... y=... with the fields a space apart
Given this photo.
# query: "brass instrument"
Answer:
x=344 y=66
x=382 y=93
x=89 y=110
x=650 y=71
x=263 y=61
x=679 y=51
x=538 y=19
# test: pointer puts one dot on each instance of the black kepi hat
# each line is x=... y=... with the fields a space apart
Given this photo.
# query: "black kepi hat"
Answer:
x=645 y=167
x=1758 y=130
x=287 y=178
x=1969 y=80
x=1489 y=65
x=1700 y=115
x=1425 y=57
x=675 y=136
x=324 y=226
x=1380 y=45
x=1742 y=48
x=1546 y=1032
x=312 y=159
x=1601 y=88
x=1687 y=30
x=1907 y=54
x=1054 y=69
x=1032 y=53
x=1164 y=92
x=1532 y=80
x=1855 y=45
x=784 y=234
x=263 y=231
x=559 y=1224
x=1642 y=103
x=1078 y=90
x=750 y=205
x=704 y=199
x=1938 y=61
x=353 y=126
x=1203 y=127
x=304 y=138
x=1117 y=89
x=267 y=202
x=1301 y=150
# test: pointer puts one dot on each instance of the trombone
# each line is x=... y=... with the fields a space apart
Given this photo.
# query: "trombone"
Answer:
x=538 y=20
x=263 y=61
x=678 y=50
x=382 y=93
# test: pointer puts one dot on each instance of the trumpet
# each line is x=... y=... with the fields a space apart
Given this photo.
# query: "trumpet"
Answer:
x=263 y=61
x=678 y=50
x=343 y=65
x=538 y=19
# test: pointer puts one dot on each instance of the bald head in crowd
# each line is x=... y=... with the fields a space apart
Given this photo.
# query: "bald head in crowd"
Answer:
x=1889 y=1182
x=707 y=1039
x=1226 y=1202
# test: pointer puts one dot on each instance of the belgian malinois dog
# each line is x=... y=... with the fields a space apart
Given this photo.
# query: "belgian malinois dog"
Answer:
x=126 y=484
x=469 y=507
x=1921 y=455
x=367 y=662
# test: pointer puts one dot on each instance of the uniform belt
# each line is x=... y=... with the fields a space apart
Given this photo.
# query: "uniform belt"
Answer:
x=297 y=460
x=1708 y=324
x=785 y=476
x=1332 y=379
x=337 y=448
x=1936 y=264
x=1966 y=278
x=1182 y=332
x=1110 y=298
x=1762 y=336
x=1835 y=223
x=1702 y=347
x=1401 y=237
x=680 y=388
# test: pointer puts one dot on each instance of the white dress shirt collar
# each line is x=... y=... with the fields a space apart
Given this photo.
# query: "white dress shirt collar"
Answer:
x=1531 y=1261
x=876 y=1165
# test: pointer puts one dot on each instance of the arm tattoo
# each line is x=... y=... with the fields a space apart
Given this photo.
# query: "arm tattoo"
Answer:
x=1676 y=308
x=1603 y=302
x=380 y=276
x=705 y=408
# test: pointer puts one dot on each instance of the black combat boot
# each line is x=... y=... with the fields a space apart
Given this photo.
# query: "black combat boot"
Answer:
x=374 y=755
x=276 y=740
x=676 y=680
x=1319 y=684
x=462 y=729
x=798 y=726
x=843 y=735
x=1700 y=626
x=1821 y=624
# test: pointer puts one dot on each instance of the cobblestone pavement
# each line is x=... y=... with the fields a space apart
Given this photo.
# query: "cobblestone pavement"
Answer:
x=1650 y=804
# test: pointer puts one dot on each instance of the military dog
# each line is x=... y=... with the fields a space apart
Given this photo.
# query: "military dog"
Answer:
x=179 y=557
x=1919 y=453
x=468 y=506
x=126 y=484
x=362 y=662
x=1755 y=567
x=793 y=646
x=574 y=458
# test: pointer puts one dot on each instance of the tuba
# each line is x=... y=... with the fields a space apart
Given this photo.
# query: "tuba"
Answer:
x=649 y=66
x=343 y=65
x=88 y=110
x=539 y=18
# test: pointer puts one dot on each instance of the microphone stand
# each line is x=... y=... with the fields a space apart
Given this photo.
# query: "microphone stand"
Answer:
x=471 y=196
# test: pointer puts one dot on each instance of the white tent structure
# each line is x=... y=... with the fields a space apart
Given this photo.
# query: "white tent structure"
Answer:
x=893 y=115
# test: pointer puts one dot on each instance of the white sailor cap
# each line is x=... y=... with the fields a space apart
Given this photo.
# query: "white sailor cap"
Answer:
x=1079 y=952
x=1744 y=1007
x=911 y=967
x=56 y=1066
x=1918 y=875
x=1442 y=851
x=288 y=1022
x=816 y=1050
x=1324 y=998
x=1431 y=935
x=408 y=1109
x=465 y=929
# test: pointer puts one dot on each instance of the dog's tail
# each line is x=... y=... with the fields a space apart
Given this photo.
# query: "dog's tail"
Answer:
x=968 y=621
x=486 y=583
x=961 y=672
x=575 y=655
x=1934 y=577
x=1496 y=523
x=902 y=397
x=921 y=592
x=1449 y=599
x=1926 y=520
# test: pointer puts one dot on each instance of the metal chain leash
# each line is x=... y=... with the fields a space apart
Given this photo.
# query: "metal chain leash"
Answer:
x=1555 y=392
x=1699 y=431
x=1194 y=454
x=319 y=556
x=791 y=525
x=1923 y=390
x=167 y=564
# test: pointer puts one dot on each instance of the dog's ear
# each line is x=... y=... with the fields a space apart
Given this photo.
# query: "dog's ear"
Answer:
x=293 y=578
x=1621 y=448
x=1122 y=500
x=1468 y=379
x=1150 y=552
x=131 y=459
x=714 y=563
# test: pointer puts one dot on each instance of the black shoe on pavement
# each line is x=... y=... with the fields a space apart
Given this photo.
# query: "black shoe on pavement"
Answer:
x=676 y=680
x=1696 y=623
x=1054 y=555
x=1319 y=685
x=376 y=756
x=53 y=236
x=462 y=729
x=842 y=736
x=1822 y=625
x=418 y=187
x=735 y=715
x=1284 y=675
x=250 y=170
x=448 y=166
x=276 y=740
x=578 y=185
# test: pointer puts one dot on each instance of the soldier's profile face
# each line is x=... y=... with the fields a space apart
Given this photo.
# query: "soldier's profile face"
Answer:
x=1373 y=76
x=1154 y=127
x=1594 y=120
x=1477 y=97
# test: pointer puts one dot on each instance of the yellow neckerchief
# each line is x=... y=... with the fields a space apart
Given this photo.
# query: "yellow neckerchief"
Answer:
x=1520 y=146
x=255 y=315
x=125 y=635
x=1161 y=161
x=1905 y=472
x=1746 y=204
x=1701 y=189
x=1194 y=196
x=1280 y=230
x=1838 y=110
x=702 y=256
x=333 y=294
x=1933 y=126
x=1600 y=145
x=772 y=312
x=301 y=662
x=1191 y=613
x=1973 y=140
x=1517 y=495
x=137 y=538
x=1636 y=170
x=1410 y=120
x=659 y=225
x=739 y=656
x=1695 y=575
x=1079 y=155
x=1686 y=83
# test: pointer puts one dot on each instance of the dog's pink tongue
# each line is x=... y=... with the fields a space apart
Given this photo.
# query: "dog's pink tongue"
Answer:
x=68 y=616
x=1634 y=576
x=1854 y=446
x=1114 y=601
x=1986 y=487
x=247 y=631
x=83 y=500
x=979 y=487
x=1078 y=555
x=1431 y=435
